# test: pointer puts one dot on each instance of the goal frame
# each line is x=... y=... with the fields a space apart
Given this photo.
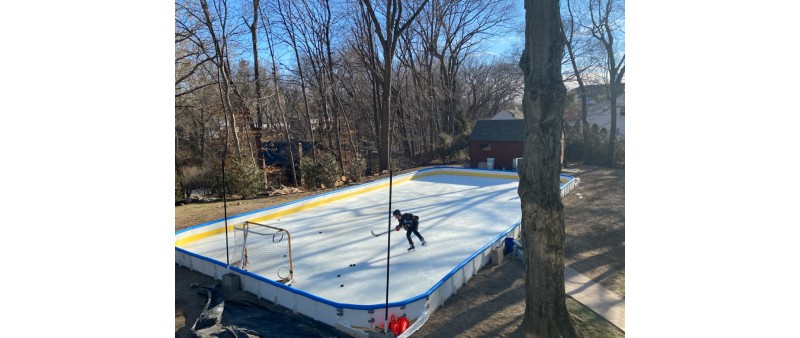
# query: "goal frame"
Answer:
x=243 y=260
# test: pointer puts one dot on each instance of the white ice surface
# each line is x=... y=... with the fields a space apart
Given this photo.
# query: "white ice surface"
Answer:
x=458 y=215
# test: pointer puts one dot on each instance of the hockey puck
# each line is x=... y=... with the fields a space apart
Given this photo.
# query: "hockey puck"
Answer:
x=320 y=232
x=338 y=275
x=341 y=286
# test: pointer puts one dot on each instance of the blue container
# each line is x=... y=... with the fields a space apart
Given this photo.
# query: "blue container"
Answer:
x=509 y=246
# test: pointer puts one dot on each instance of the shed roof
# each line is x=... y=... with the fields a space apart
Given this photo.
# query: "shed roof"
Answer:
x=498 y=130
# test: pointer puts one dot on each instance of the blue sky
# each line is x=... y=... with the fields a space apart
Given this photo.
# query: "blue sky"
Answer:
x=500 y=45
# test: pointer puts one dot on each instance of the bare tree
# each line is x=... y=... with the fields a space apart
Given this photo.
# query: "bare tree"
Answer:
x=258 y=126
x=191 y=55
x=278 y=102
x=388 y=35
x=194 y=111
x=573 y=44
x=197 y=120
x=490 y=86
x=340 y=71
x=606 y=16
x=362 y=45
x=420 y=61
x=358 y=90
x=332 y=83
x=222 y=64
x=455 y=28
x=314 y=21
x=543 y=233
x=289 y=24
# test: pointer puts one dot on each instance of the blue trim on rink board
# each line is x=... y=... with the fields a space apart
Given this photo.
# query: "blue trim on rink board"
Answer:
x=465 y=262
x=360 y=306
x=296 y=291
x=357 y=306
x=408 y=301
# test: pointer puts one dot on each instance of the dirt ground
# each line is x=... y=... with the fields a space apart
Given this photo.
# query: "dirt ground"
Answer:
x=491 y=304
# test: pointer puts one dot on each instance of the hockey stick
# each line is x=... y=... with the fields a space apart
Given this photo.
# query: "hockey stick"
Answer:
x=378 y=234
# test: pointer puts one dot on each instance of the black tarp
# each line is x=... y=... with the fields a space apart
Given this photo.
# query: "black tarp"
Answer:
x=229 y=318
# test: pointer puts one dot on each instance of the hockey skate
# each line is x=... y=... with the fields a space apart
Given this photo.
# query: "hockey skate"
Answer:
x=424 y=242
x=411 y=248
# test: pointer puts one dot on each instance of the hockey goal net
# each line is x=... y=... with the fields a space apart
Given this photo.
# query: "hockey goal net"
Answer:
x=264 y=250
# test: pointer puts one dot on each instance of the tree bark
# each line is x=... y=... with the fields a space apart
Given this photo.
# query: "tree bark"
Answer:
x=539 y=187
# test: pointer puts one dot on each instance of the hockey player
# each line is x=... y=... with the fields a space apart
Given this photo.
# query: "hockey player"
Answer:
x=411 y=223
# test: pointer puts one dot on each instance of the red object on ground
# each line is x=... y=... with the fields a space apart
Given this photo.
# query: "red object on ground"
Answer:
x=393 y=325
x=402 y=325
x=398 y=325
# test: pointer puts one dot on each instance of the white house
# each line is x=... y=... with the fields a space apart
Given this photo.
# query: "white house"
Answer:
x=598 y=111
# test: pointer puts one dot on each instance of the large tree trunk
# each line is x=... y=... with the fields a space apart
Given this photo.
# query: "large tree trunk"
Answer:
x=542 y=212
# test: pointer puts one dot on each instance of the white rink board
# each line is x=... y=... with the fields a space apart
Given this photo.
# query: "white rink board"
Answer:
x=463 y=213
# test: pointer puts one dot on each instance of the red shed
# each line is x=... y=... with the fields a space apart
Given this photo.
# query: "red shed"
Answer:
x=501 y=140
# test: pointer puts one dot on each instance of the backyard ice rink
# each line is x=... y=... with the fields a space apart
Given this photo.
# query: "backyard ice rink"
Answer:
x=459 y=215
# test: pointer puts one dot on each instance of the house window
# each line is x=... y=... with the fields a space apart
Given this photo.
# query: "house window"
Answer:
x=486 y=147
x=622 y=111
